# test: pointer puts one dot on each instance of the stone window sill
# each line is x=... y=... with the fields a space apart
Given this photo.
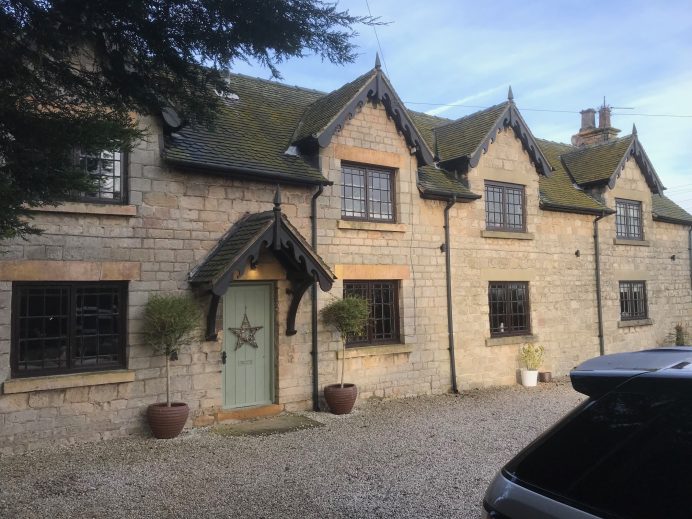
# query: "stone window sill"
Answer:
x=371 y=226
x=52 y=382
x=90 y=208
x=368 y=351
x=507 y=235
x=636 y=322
x=514 y=339
x=635 y=243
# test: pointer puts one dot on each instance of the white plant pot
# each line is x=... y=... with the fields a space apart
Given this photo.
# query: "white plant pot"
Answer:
x=529 y=377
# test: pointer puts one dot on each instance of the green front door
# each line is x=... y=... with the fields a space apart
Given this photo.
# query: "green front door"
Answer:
x=248 y=317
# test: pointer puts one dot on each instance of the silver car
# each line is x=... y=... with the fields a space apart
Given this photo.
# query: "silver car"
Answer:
x=626 y=452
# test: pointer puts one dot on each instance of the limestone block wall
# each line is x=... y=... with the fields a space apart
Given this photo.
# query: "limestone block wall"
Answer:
x=561 y=284
x=172 y=221
x=407 y=251
x=667 y=281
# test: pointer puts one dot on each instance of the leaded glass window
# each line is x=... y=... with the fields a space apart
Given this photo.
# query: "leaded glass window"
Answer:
x=66 y=327
x=628 y=219
x=509 y=308
x=504 y=207
x=633 y=300
x=367 y=194
x=107 y=170
x=383 y=303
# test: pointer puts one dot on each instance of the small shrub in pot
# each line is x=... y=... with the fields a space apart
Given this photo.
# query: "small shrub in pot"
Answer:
x=169 y=323
x=531 y=357
x=349 y=317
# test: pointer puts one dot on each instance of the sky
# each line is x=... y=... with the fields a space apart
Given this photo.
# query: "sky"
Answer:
x=557 y=55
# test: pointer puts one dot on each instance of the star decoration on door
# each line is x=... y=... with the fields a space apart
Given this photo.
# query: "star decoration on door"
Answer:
x=246 y=333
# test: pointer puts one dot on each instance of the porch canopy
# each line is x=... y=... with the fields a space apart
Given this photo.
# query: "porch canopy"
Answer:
x=240 y=248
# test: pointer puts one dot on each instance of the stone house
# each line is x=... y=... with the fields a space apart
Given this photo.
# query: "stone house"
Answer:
x=468 y=237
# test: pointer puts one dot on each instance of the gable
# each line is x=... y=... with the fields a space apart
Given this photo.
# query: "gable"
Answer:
x=329 y=114
x=463 y=142
x=603 y=163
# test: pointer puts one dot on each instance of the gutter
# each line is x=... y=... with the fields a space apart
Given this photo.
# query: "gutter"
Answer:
x=266 y=176
x=314 y=352
x=450 y=316
x=599 y=303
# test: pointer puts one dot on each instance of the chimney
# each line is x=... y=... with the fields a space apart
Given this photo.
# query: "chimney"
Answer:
x=588 y=119
x=588 y=133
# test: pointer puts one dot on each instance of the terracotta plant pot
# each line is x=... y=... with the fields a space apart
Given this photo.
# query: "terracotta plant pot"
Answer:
x=340 y=399
x=167 y=422
x=545 y=376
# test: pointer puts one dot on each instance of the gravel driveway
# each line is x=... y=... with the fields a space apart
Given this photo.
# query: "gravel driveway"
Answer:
x=416 y=457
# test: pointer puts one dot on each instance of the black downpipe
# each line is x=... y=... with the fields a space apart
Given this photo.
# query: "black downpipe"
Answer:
x=689 y=251
x=315 y=359
x=599 y=304
x=450 y=316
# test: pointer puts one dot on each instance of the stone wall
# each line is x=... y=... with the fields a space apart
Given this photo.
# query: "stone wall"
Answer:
x=407 y=251
x=171 y=223
x=174 y=219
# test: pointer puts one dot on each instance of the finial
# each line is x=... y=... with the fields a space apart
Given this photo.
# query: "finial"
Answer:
x=277 y=199
x=634 y=129
x=378 y=65
x=510 y=94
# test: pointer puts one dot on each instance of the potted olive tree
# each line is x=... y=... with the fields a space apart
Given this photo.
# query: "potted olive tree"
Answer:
x=531 y=357
x=349 y=317
x=169 y=323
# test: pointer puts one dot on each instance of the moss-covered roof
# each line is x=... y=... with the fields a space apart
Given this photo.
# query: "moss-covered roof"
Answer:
x=462 y=137
x=253 y=134
x=250 y=135
x=230 y=247
x=435 y=182
x=245 y=240
x=596 y=163
x=558 y=191
x=320 y=113
x=666 y=210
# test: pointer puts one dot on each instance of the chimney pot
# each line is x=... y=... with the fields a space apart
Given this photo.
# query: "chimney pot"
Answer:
x=604 y=117
x=588 y=119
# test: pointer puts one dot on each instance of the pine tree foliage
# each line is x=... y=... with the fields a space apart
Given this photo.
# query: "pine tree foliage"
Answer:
x=73 y=73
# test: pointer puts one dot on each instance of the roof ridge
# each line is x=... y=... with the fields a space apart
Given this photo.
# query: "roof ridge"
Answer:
x=416 y=112
x=461 y=119
x=278 y=83
x=602 y=144
x=556 y=142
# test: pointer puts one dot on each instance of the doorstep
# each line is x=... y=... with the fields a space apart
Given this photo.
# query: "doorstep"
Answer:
x=247 y=413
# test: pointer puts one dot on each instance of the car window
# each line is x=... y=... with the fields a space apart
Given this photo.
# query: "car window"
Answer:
x=625 y=455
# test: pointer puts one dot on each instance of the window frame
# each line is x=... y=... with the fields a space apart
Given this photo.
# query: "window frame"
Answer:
x=72 y=287
x=527 y=313
x=370 y=341
x=504 y=227
x=625 y=204
x=367 y=169
x=124 y=182
x=631 y=300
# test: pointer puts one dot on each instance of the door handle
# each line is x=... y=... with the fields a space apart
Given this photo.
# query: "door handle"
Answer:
x=223 y=357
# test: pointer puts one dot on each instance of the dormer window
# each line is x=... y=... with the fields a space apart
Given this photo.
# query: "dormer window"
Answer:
x=628 y=219
x=367 y=194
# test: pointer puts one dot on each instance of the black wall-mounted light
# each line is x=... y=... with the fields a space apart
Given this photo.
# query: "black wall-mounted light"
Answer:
x=672 y=258
x=253 y=264
x=577 y=253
